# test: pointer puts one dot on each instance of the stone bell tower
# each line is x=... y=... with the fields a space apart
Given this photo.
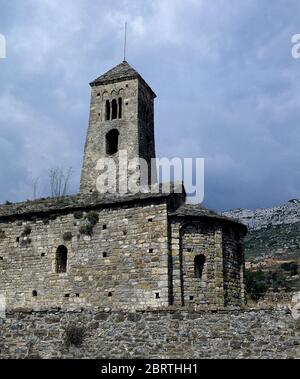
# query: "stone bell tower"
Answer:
x=121 y=119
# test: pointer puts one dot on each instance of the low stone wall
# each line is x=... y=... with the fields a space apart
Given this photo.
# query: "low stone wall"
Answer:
x=150 y=334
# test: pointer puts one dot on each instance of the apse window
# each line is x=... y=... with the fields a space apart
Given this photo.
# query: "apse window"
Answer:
x=107 y=110
x=199 y=263
x=112 y=142
x=61 y=259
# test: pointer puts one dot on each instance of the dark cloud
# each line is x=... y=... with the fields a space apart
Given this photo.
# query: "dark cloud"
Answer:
x=227 y=89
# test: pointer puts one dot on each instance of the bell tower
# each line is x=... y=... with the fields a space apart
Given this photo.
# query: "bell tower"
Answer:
x=121 y=119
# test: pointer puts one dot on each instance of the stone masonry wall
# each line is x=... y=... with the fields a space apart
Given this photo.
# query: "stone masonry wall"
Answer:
x=150 y=334
x=233 y=267
x=123 y=264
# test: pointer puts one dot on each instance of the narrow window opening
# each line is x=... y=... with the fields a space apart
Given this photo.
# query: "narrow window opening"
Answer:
x=98 y=94
x=157 y=295
x=191 y=298
x=1 y=258
x=112 y=142
x=114 y=109
x=67 y=295
x=43 y=254
x=61 y=259
x=109 y=294
x=104 y=227
x=34 y=293
x=77 y=295
x=151 y=251
x=150 y=220
x=120 y=107
x=107 y=110
x=104 y=255
x=189 y=250
x=199 y=265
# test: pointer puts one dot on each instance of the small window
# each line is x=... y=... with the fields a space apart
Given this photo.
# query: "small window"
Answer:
x=151 y=251
x=98 y=94
x=120 y=107
x=67 y=295
x=104 y=255
x=150 y=219
x=112 y=142
x=1 y=258
x=107 y=110
x=191 y=298
x=43 y=255
x=157 y=295
x=199 y=265
x=34 y=293
x=61 y=259
x=77 y=295
x=114 y=109
x=104 y=227
x=109 y=294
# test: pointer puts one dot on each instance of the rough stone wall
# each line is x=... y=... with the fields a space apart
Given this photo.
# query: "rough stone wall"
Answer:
x=151 y=334
x=199 y=239
x=222 y=282
x=233 y=271
x=123 y=264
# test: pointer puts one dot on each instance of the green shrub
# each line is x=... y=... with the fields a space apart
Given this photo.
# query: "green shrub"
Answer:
x=74 y=336
x=27 y=230
x=93 y=218
x=291 y=267
x=86 y=229
x=67 y=236
x=256 y=284
x=78 y=215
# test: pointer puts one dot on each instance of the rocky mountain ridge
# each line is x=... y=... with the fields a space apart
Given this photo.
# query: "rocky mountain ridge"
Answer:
x=286 y=214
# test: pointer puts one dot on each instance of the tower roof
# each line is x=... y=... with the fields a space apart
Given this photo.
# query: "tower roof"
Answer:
x=121 y=72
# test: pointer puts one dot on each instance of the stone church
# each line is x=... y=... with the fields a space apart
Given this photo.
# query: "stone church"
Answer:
x=148 y=250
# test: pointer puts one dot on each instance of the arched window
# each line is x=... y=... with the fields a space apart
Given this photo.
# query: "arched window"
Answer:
x=120 y=107
x=61 y=259
x=199 y=265
x=107 y=110
x=112 y=142
x=114 y=109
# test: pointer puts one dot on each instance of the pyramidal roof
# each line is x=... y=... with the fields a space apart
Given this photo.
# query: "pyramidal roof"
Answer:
x=122 y=71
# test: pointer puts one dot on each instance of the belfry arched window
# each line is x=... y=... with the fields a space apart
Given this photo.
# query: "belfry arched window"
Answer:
x=199 y=263
x=107 y=110
x=112 y=142
x=114 y=109
x=61 y=259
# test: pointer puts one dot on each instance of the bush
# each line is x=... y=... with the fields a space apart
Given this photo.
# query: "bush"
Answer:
x=291 y=267
x=256 y=284
x=93 y=218
x=74 y=336
x=67 y=236
x=27 y=230
x=78 y=215
x=86 y=229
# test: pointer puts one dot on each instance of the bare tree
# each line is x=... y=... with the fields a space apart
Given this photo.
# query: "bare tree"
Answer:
x=59 y=181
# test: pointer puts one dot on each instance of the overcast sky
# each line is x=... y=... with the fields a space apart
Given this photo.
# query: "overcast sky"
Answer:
x=228 y=89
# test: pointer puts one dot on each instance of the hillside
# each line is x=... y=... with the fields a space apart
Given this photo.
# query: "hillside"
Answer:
x=274 y=233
